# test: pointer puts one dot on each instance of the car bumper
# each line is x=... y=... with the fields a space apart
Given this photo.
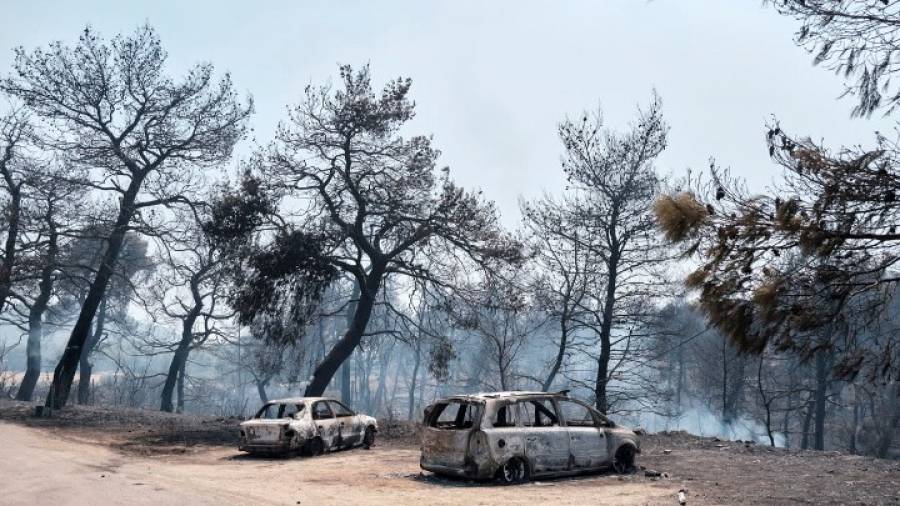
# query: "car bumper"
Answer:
x=276 y=447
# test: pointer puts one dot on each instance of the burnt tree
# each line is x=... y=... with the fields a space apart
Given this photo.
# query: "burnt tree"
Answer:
x=143 y=134
x=615 y=177
x=373 y=205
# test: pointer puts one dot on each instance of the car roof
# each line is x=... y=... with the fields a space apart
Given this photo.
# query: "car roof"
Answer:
x=514 y=394
x=299 y=400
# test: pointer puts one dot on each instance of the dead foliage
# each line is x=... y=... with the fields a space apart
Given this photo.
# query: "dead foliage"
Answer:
x=679 y=215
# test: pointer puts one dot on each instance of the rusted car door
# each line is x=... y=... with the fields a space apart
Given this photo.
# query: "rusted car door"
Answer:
x=326 y=424
x=587 y=438
x=546 y=440
x=448 y=425
x=349 y=427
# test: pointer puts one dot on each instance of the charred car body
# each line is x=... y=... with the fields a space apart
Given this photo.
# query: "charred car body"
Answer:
x=310 y=425
x=513 y=436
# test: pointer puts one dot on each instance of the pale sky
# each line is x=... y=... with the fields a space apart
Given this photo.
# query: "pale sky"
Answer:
x=493 y=78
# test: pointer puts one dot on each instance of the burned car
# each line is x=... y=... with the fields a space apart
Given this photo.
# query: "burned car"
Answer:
x=309 y=425
x=514 y=436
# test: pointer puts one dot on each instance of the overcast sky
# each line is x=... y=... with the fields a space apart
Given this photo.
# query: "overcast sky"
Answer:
x=493 y=79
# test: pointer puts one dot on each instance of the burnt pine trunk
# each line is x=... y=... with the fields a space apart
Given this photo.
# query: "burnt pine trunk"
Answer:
x=346 y=385
x=179 y=358
x=344 y=347
x=64 y=373
x=261 y=389
x=889 y=420
x=13 y=216
x=605 y=331
x=179 y=408
x=807 y=419
x=821 y=398
x=36 y=318
x=85 y=367
x=561 y=353
x=412 y=383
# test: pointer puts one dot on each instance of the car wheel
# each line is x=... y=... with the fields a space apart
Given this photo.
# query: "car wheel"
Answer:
x=315 y=447
x=369 y=437
x=623 y=462
x=513 y=471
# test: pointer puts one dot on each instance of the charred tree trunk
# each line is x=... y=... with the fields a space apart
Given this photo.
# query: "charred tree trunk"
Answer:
x=261 y=389
x=64 y=374
x=857 y=423
x=13 y=217
x=561 y=353
x=766 y=402
x=179 y=408
x=184 y=345
x=889 y=421
x=85 y=366
x=602 y=379
x=412 y=383
x=807 y=421
x=381 y=389
x=36 y=318
x=177 y=364
x=346 y=385
x=344 y=347
x=821 y=399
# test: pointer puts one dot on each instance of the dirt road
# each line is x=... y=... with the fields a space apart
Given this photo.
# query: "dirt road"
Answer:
x=43 y=467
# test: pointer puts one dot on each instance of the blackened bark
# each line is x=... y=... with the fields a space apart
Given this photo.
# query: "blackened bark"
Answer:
x=344 y=347
x=821 y=398
x=889 y=421
x=13 y=217
x=36 y=318
x=261 y=390
x=412 y=383
x=179 y=408
x=807 y=419
x=179 y=358
x=64 y=374
x=605 y=331
x=346 y=386
x=85 y=366
x=563 y=343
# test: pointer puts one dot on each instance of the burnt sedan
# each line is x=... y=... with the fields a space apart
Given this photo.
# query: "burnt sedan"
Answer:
x=310 y=425
x=514 y=436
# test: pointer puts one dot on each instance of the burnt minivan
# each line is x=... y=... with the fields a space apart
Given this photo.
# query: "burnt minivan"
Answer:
x=514 y=436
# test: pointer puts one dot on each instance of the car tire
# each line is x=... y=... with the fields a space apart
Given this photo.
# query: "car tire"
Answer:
x=369 y=437
x=623 y=462
x=315 y=447
x=513 y=471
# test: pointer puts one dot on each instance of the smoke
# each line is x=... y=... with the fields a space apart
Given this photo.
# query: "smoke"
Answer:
x=701 y=421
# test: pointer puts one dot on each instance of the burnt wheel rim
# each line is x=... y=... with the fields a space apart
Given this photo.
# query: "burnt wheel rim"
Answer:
x=513 y=471
x=369 y=437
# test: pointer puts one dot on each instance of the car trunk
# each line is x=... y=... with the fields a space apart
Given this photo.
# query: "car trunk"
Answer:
x=265 y=431
x=448 y=427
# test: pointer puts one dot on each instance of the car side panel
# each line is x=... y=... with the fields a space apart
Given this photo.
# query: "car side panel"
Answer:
x=547 y=449
x=588 y=447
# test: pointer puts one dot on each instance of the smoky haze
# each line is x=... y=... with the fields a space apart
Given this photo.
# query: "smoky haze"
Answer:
x=722 y=68
x=313 y=243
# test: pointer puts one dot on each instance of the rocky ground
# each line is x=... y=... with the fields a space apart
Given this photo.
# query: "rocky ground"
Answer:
x=144 y=457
